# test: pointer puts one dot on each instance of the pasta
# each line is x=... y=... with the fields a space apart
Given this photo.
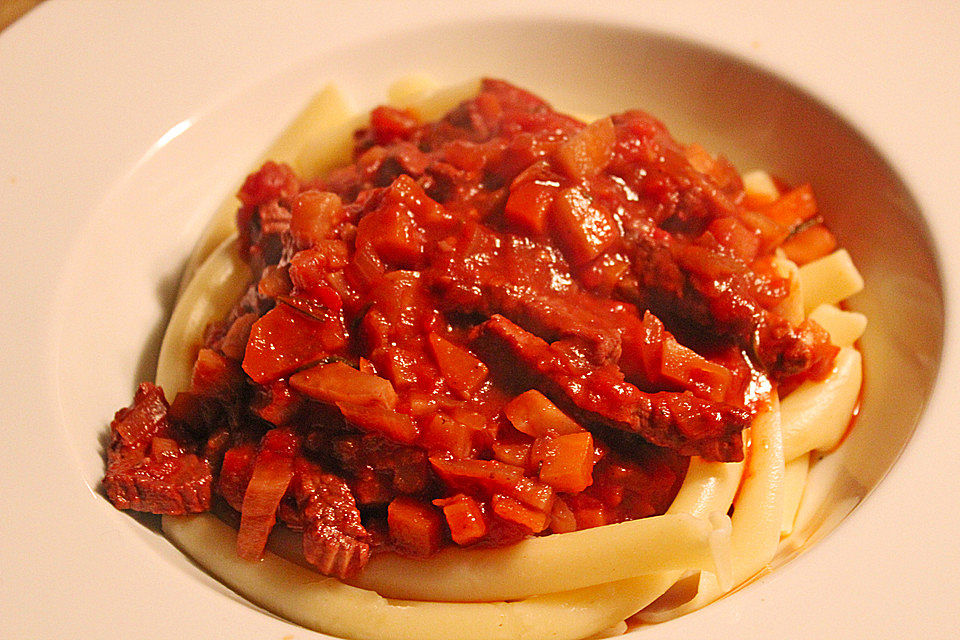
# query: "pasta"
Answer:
x=563 y=585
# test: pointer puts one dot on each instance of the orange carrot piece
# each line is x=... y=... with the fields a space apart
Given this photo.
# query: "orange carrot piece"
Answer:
x=527 y=206
x=793 y=208
x=415 y=528
x=809 y=244
x=568 y=462
x=465 y=518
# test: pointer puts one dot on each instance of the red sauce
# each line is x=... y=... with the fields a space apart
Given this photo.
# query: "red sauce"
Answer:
x=501 y=324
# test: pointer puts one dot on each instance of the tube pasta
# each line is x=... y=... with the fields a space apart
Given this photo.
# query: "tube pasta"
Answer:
x=829 y=280
x=817 y=414
x=558 y=562
x=844 y=327
x=756 y=518
x=331 y=606
x=795 y=479
x=220 y=280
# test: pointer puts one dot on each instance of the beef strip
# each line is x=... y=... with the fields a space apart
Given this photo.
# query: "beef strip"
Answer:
x=675 y=282
x=679 y=421
x=488 y=273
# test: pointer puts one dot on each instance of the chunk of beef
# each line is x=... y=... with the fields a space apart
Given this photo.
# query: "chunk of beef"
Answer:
x=679 y=421
x=150 y=466
x=334 y=539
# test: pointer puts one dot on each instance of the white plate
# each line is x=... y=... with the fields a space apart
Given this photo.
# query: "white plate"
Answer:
x=122 y=126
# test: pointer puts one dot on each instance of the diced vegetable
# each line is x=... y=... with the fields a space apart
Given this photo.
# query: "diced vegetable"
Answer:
x=589 y=151
x=284 y=340
x=446 y=434
x=272 y=473
x=809 y=244
x=532 y=413
x=339 y=382
x=532 y=520
x=694 y=372
x=399 y=427
x=463 y=371
x=567 y=461
x=214 y=374
x=582 y=227
x=415 y=528
x=314 y=215
x=528 y=205
x=465 y=518
x=793 y=208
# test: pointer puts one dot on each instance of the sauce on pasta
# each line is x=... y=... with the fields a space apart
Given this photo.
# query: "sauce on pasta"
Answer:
x=501 y=324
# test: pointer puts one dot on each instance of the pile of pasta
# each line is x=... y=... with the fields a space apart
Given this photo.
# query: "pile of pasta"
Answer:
x=563 y=586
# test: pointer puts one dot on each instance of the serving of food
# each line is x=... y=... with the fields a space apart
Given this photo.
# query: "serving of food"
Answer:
x=478 y=368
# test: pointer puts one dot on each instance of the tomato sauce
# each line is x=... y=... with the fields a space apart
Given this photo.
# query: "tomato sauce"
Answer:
x=500 y=324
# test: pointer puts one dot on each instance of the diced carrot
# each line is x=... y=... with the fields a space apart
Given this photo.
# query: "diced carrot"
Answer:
x=771 y=233
x=588 y=151
x=528 y=204
x=464 y=517
x=692 y=371
x=214 y=374
x=274 y=282
x=394 y=236
x=509 y=509
x=532 y=413
x=390 y=123
x=446 y=434
x=314 y=214
x=793 y=208
x=567 y=463
x=284 y=340
x=462 y=371
x=734 y=236
x=415 y=528
x=339 y=382
x=582 y=227
x=699 y=158
x=272 y=473
x=808 y=244
x=396 y=426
